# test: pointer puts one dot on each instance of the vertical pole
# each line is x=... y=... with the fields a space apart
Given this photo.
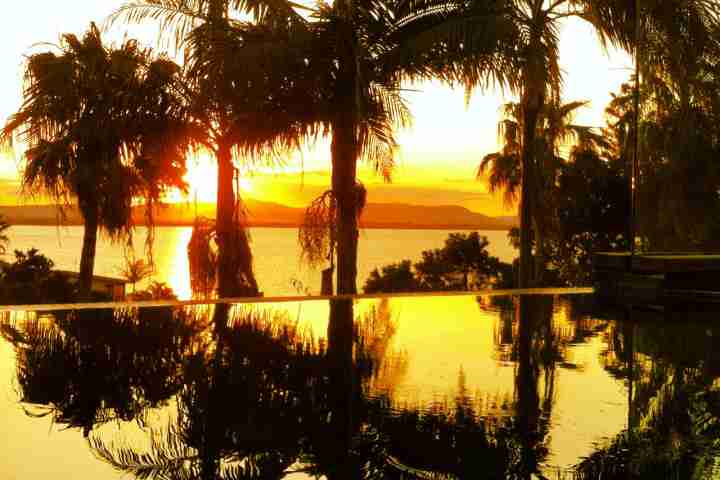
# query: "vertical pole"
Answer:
x=634 y=170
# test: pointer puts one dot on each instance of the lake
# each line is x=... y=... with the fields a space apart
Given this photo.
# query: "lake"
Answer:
x=424 y=387
x=276 y=253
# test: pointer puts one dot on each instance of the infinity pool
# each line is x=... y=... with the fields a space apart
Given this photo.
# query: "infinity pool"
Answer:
x=423 y=387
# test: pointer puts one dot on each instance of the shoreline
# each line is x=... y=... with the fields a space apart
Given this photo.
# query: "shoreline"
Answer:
x=370 y=226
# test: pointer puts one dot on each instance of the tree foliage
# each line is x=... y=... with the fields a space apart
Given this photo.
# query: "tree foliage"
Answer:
x=593 y=212
x=462 y=264
x=31 y=279
x=102 y=127
x=135 y=270
x=203 y=255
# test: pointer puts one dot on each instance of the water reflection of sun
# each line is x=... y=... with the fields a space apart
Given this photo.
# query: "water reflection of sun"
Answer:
x=179 y=268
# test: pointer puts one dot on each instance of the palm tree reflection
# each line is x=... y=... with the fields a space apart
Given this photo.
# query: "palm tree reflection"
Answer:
x=91 y=366
x=672 y=368
x=251 y=394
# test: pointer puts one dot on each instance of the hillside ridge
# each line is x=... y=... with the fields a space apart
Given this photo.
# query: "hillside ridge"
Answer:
x=270 y=214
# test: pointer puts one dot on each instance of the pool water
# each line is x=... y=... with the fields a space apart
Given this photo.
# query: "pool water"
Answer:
x=422 y=387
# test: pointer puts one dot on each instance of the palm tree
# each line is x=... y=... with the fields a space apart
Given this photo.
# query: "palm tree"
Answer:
x=365 y=50
x=528 y=66
x=687 y=28
x=247 y=112
x=338 y=72
x=136 y=270
x=374 y=45
x=102 y=127
x=554 y=130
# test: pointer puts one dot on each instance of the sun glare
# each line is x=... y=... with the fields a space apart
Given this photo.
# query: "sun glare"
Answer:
x=201 y=177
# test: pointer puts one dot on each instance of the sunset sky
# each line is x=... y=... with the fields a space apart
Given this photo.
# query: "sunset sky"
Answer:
x=438 y=155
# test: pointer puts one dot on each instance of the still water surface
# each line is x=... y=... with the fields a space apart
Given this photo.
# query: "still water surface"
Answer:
x=275 y=250
x=460 y=387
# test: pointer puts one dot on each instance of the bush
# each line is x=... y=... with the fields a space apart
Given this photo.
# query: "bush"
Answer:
x=396 y=277
x=462 y=264
x=31 y=280
x=155 y=291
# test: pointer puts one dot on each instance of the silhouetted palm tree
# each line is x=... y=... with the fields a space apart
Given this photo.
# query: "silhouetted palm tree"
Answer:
x=677 y=127
x=135 y=270
x=102 y=126
x=364 y=50
x=554 y=131
x=236 y=96
x=529 y=67
x=338 y=72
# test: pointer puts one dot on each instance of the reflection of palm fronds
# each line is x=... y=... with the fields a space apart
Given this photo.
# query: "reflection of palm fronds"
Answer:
x=168 y=457
x=447 y=440
x=374 y=334
x=89 y=367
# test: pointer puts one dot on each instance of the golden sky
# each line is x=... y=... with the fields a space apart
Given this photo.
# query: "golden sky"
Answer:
x=438 y=155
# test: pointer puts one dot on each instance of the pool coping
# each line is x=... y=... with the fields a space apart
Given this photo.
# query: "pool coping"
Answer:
x=290 y=299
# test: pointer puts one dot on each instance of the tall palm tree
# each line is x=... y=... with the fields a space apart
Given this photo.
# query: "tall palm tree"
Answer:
x=336 y=69
x=554 y=130
x=685 y=25
x=529 y=67
x=247 y=111
x=510 y=42
x=364 y=51
x=102 y=127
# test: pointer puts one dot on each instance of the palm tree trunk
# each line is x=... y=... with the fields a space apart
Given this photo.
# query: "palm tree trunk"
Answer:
x=539 y=269
x=533 y=99
x=531 y=112
x=225 y=203
x=343 y=179
x=342 y=380
x=89 y=246
x=526 y=387
x=224 y=220
x=344 y=152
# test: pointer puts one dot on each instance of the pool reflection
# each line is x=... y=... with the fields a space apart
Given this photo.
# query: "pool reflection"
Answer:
x=253 y=392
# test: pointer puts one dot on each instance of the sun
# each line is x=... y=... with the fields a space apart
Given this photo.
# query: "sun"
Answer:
x=201 y=177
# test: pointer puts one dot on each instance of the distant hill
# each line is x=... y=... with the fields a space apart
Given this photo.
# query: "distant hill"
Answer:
x=268 y=214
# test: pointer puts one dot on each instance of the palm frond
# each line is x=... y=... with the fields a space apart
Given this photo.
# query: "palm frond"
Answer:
x=167 y=457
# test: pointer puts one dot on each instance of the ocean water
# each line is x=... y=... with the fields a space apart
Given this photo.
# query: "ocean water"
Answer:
x=278 y=268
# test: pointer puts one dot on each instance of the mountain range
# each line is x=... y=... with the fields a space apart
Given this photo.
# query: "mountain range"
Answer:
x=269 y=214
